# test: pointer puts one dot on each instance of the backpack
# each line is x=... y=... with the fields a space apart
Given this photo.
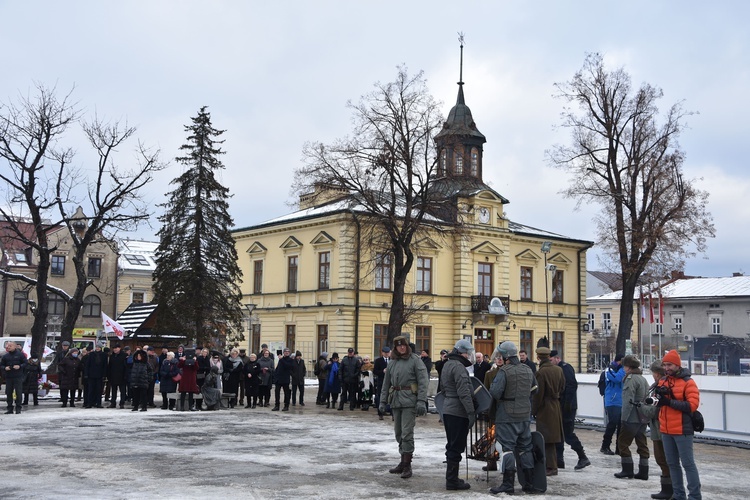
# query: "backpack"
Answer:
x=316 y=370
x=696 y=418
x=602 y=382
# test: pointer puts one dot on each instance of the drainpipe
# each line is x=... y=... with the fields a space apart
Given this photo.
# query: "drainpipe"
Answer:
x=580 y=309
x=356 y=280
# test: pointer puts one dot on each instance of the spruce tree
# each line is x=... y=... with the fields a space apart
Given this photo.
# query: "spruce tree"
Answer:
x=197 y=276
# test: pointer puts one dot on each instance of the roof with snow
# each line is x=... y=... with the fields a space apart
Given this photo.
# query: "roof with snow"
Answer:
x=133 y=318
x=137 y=255
x=692 y=289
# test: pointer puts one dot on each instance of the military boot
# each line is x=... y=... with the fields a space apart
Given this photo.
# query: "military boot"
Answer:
x=452 y=481
x=399 y=468
x=666 y=489
x=583 y=461
x=509 y=477
x=406 y=474
x=627 y=469
x=642 y=470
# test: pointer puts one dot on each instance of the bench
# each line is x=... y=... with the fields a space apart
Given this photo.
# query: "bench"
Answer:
x=176 y=397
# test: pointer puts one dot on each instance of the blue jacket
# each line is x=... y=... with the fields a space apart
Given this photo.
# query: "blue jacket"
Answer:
x=613 y=391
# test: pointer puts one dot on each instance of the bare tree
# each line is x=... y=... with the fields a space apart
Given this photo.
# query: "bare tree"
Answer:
x=386 y=168
x=42 y=189
x=626 y=158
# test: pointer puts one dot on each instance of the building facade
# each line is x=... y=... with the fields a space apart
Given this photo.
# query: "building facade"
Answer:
x=705 y=319
x=18 y=298
x=310 y=284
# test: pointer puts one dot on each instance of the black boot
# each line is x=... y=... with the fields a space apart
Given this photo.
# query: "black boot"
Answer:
x=509 y=477
x=286 y=408
x=275 y=408
x=606 y=450
x=528 y=475
x=406 y=474
x=627 y=469
x=399 y=468
x=491 y=465
x=642 y=470
x=666 y=489
x=583 y=461
x=452 y=481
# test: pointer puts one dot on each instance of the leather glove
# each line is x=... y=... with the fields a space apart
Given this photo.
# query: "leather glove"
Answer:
x=472 y=420
x=421 y=409
x=663 y=402
x=382 y=408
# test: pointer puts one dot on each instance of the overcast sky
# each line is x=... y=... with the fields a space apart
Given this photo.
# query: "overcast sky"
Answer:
x=278 y=74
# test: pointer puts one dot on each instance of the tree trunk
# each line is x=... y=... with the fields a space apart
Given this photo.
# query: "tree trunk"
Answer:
x=626 y=315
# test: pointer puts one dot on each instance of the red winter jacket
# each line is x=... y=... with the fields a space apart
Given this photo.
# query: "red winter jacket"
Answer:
x=675 y=418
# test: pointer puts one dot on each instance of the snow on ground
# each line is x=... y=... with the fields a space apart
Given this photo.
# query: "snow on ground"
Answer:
x=310 y=452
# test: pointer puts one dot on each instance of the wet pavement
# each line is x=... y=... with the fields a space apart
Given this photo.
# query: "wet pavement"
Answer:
x=311 y=451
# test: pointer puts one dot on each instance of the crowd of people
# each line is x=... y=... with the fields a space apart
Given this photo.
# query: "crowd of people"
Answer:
x=396 y=382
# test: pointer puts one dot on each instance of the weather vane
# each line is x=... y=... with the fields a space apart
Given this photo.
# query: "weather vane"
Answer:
x=461 y=67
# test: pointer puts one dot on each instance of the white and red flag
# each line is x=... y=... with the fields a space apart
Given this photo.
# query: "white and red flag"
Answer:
x=112 y=326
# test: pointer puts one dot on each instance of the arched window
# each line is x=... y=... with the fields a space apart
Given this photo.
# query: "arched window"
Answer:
x=443 y=161
x=459 y=165
x=92 y=307
x=474 y=161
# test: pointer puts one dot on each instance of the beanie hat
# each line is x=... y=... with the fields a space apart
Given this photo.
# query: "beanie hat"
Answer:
x=672 y=357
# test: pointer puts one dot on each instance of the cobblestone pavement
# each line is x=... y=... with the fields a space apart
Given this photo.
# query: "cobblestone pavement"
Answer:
x=311 y=451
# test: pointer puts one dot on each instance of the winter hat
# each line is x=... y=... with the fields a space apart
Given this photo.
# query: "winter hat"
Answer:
x=672 y=357
x=400 y=340
x=463 y=346
x=298 y=353
x=66 y=344
x=324 y=354
x=631 y=361
x=553 y=353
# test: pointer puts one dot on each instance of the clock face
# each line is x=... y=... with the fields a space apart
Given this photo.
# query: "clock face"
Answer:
x=484 y=215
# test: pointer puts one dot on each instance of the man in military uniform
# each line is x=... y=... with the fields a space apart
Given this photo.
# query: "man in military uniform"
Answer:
x=511 y=388
x=569 y=405
x=405 y=389
x=458 y=410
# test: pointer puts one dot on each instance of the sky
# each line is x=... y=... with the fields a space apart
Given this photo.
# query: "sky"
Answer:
x=276 y=75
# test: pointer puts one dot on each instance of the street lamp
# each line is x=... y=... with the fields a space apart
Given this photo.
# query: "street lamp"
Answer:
x=546 y=247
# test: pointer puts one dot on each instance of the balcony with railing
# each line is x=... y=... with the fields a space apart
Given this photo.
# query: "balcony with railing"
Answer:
x=481 y=303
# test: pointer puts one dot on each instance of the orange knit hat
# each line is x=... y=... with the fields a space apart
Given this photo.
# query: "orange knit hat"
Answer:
x=672 y=357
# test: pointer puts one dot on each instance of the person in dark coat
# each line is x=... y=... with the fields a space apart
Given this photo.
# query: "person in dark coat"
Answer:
x=188 y=383
x=265 y=362
x=439 y=367
x=546 y=406
x=95 y=367
x=320 y=373
x=333 y=381
x=204 y=365
x=523 y=356
x=379 y=366
x=349 y=374
x=140 y=379
x=283 y=378
x=252 y=381
x=569 y=405
x=481 y=367
x=298 y=379
x=167 y=385
x=69 y=370
x=117 y=375
x=31 y=374
x=233 y=370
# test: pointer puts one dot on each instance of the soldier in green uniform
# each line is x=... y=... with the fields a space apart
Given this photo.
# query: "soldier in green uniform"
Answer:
x=405 y=389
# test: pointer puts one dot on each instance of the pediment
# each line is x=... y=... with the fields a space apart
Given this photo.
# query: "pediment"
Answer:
x=322 y=238
x=257 y=249
x=487 y=248
x=291 y=243
x=427 y=244
x=560 y=260
x=528 y=256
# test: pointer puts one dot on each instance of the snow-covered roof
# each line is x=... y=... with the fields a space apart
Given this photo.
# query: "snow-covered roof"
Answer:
x=135 y=315
x=692 y=289
x=137 y=255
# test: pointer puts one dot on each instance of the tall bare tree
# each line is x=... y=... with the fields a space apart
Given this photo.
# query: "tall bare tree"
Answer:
x=386 y=167
x=625 y=157
x=41 y=187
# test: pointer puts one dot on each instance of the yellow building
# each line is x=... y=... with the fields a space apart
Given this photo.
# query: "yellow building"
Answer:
x=308 y=287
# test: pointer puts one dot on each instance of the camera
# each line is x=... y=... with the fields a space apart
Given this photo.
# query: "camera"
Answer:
x=661 y=391
x=650 y=400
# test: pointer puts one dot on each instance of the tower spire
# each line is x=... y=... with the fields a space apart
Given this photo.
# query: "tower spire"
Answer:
x=461 y=64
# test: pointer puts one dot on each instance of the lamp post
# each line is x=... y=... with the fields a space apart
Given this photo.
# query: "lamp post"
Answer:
x=546 y=247
x=250 y=308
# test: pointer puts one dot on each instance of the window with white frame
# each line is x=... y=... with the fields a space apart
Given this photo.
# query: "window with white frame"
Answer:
x=677 y=322
x=590 y=320
x=715 y=325
x=606 y=322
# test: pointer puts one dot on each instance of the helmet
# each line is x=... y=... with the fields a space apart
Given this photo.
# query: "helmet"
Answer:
x=507 y=349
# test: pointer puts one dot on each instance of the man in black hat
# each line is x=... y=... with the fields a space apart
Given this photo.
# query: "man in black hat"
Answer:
x=349 y=375
x=378 y=371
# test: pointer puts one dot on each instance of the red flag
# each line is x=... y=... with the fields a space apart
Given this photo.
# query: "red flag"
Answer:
x=112 y=326
x=661 y=307
x=643 y=305
x=650 y=308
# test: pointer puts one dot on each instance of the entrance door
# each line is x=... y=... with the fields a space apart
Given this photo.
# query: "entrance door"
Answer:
x=484 y=341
